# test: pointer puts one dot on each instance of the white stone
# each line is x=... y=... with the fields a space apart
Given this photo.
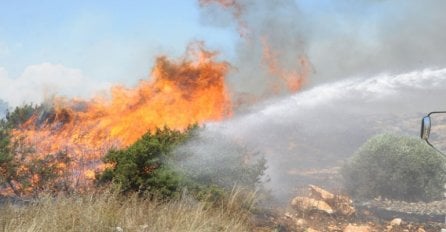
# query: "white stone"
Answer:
x=396 y=222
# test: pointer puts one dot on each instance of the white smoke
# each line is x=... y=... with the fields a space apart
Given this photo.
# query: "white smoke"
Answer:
x=43 y=81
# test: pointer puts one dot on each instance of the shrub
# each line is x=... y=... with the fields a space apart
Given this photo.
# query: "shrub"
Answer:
x=21 y=114
x=157 y=164
x=212 y=159
x=395 y=167
x=144 y=165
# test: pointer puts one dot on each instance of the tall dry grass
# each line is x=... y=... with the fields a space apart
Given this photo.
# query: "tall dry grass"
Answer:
x=110 y=211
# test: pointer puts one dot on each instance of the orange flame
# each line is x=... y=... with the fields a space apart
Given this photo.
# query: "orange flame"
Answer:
x=292 y=78
x=179 y=93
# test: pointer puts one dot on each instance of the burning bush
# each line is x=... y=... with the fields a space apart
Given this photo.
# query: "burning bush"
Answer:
x=395 y=167
x=23 y=172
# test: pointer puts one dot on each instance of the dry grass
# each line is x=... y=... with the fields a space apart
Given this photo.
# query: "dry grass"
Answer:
x=109 y=211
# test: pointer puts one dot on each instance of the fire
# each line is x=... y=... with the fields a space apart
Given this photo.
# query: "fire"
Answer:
x=179 y=93
x=292 y=79
x=287 y=78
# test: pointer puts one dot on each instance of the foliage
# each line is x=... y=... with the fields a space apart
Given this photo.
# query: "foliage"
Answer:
x=20 y=115
x=7 y=166
x=143 y=165
x=214 y=160
x=153 y=164
x=395 y=167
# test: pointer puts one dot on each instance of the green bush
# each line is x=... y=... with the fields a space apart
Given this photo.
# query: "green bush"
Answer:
x=212 y=159
x=144 y=165
x=395 y=167
x=157 y=164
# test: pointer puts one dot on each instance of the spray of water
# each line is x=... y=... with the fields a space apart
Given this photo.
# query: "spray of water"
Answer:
x=306 y=136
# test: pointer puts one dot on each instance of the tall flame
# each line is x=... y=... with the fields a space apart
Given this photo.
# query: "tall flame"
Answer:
x=179 y=93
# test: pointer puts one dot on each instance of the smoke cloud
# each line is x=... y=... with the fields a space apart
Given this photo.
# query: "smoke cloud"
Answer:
x=341 y=39
x=43 y=81
x=271 y=49
x=351 y=38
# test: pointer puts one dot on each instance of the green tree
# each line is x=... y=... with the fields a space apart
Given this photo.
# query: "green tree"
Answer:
x=20 y=115
x=395 y=167
x=7 y=165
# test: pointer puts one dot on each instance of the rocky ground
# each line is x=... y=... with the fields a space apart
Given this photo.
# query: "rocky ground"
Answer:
x=322 y=210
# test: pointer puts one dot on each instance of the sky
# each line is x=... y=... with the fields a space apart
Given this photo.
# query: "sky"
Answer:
x=93 y=43
x=108 y=40
x=77 y=48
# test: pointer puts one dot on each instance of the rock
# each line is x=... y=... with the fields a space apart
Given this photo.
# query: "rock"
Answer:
x=321 y=194
x=339 y=203
x=421 y=229
x=396 y=222
x=333 y=228
x=355 y=228
x=311 y=230
x=300 y=222
x=309 y=204
x=343 y=205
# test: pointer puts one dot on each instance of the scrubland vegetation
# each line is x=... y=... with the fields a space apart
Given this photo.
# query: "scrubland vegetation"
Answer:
x=142 y=189
x=148 y=186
